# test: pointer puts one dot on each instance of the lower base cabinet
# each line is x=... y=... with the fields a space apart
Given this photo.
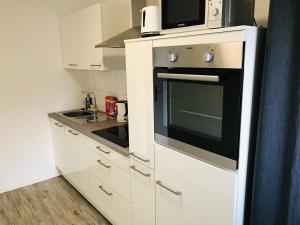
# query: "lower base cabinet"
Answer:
x=189 y=191
x=103 y=181
x=109 y=203
x=143 y=194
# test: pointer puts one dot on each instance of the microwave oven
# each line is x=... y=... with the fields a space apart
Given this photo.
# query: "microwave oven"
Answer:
x=189 y=15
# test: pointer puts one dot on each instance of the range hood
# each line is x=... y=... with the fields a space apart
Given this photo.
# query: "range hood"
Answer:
x=117 y=41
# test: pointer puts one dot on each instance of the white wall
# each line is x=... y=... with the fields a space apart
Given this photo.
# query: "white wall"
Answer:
x=261 y=10
x=32 y=84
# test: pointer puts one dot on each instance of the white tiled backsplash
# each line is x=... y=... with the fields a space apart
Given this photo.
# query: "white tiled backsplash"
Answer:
x=110 y=83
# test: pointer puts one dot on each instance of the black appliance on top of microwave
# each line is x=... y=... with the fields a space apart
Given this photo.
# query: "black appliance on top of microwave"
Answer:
x=197 y=100
x=205 y=14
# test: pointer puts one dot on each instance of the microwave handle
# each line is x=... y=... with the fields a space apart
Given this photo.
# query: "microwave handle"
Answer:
x=207 y=78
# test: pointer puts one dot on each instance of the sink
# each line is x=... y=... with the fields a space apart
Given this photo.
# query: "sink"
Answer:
x=78 y=114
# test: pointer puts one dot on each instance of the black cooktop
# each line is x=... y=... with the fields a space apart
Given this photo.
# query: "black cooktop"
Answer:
x=117 y=135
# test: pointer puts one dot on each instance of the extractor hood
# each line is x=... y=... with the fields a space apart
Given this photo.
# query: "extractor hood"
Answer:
x=117 y=41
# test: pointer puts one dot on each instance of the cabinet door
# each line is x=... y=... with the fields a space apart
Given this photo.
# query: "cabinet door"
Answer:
x=69 y=39
x=90 y=34
x=74 y=148
x=140 y=95
x=143 y=194
x=189 y=191
x=59 y=147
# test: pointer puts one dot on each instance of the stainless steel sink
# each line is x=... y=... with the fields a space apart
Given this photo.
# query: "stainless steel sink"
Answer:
x=84 y=117
x=80 y=113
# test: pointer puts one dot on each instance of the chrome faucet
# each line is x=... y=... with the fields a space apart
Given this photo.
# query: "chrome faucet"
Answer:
x=95 y=103
x=94 y=95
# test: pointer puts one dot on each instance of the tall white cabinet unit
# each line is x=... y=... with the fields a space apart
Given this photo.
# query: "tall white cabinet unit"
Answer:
x=83 y=29
x=139 y=66
x=183 y=189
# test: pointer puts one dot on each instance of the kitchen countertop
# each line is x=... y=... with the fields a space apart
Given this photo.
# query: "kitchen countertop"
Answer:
x=86 y=129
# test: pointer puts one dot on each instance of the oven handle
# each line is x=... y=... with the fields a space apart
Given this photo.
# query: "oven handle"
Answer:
x=175 y=76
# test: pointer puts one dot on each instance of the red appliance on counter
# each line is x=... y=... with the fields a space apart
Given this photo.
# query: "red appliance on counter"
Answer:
x=110 y=107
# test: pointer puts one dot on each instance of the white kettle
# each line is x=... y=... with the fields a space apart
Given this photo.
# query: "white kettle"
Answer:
x=150 y=24
x=122 y=111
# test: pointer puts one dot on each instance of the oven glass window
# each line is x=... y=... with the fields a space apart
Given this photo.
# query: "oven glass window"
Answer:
x=196 y=108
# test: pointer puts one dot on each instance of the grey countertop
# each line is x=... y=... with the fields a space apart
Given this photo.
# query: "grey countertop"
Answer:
x=86 y=129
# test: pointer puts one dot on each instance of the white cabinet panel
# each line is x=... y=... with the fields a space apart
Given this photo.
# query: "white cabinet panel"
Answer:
x=140 y=95
x=80 y=32
x=59 y=145
x=90 y=34
x=143 y=194
x=69 y=35
x=191 y=191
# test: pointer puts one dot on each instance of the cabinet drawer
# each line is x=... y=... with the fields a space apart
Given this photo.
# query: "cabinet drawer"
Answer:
x=194 y=191
x=105 y=199
x=143 y=194
x=107 y=153
x=112 y=175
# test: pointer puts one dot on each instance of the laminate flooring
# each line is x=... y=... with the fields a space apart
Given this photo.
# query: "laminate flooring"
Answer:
x=52 y=202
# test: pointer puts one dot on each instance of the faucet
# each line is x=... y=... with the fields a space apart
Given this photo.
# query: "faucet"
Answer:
x=95 y=102
x=94 y=95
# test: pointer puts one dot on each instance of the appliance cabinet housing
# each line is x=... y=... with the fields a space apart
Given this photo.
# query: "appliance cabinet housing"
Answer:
x=139 y=65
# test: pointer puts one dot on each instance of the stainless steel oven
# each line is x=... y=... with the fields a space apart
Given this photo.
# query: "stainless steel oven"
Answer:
x=197 y=100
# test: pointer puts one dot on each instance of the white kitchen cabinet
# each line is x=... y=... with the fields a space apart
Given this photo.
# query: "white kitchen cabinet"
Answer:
x=143 y=194
x=189 y=191
x=59 y=145
x=139 y=64
x=82 y=30
x=69 y=39
x=100 y=174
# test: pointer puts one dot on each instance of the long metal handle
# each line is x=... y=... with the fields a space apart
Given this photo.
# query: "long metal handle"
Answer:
x=95 y=65
x=101 y=163
x=194 y=77
x=144 y=160
x=167 y=188
x=57 y=124
x=100 y=149
x=72 y=132
x=106 y=192
x=140 y=172
x=73 y=64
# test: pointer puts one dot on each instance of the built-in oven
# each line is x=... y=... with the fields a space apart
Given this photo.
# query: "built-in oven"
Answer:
x=197 y=100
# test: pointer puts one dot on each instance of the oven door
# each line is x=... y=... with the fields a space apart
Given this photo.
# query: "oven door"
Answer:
x=198 y=112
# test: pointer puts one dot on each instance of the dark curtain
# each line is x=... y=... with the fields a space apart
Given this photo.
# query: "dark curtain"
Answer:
x=276 y=187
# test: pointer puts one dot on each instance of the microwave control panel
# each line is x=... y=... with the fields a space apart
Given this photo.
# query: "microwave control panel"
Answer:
x=215 y=11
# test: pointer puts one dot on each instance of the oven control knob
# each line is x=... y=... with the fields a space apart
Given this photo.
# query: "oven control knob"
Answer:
x=208 y=57
x=172 y=57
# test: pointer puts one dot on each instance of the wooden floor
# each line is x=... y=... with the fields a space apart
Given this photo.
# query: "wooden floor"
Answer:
x=53 y=202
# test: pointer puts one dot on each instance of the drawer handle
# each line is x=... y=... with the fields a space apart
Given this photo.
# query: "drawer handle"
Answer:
x=73 y=64
x=144 y=160
x=167 y=188
x=57 y=124
x=95 y=65
x=72 y=132
x=140 y=172
x=100 y=149
x=102 y=164
x=106 y=192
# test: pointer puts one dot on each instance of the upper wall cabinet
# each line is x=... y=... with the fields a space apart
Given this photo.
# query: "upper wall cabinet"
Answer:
x=83 y=29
